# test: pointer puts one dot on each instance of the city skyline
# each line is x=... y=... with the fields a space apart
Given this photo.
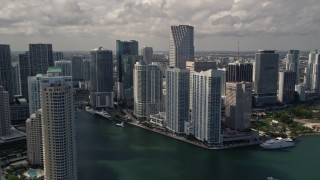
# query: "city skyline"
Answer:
x=83 y=24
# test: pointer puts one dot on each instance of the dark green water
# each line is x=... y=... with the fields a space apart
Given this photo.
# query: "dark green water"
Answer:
x=106 y=151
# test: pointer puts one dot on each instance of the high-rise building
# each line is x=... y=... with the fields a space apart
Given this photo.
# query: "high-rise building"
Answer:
x=34 y=93
x=206 y=106
x=292 y=64
x=197 y=66
x=5 y=122
x=66 y=67
x=286 y=90
x=123 y=48
x=24 y=72
x=266 y=77
x=101 y=94
x=147 y=53
x=128 y=62
x=56 y=56
x=77 y=63
x=34 y=138
x=40 y=58
x=86 y=69
x=147 y=88
x=177 y=99
x=238 y=105
x=181 y=45
x=312 y=77
x=237 y=72
x=6 y=69
x=15 y=78
x=58 y=121
x=301 y=92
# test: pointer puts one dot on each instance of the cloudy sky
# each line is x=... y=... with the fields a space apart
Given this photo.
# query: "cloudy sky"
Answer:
x=219 y=24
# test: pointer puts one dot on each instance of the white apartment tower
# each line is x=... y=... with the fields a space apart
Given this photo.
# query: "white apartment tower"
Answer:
x=58 y=116
x=181 y=45
x=206 y=106
x=34 y=138
x=292 y=64
x=5 y=122
x=147 y=88
x=34 y=93
x=312 y=77
x=177 y=99
x=238 y=105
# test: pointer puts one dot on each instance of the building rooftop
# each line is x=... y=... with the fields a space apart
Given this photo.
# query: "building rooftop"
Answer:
x=54 y=70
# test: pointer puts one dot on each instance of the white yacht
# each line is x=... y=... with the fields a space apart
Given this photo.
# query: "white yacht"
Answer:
x=120 y=124
x=277 y=143
x=90 y=110
x=103 y=114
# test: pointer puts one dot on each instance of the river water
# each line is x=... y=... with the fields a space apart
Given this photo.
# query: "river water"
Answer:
x=106 y=151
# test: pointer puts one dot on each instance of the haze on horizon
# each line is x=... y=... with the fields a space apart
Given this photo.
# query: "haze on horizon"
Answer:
x=219 y=25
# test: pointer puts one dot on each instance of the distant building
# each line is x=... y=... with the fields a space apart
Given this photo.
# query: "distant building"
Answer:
x=286 y=90
x=206 y=106
x=123 y=48
x=34 y=93
x=15 y=79
x=86 y=69
x=101 y=95
x=266 y=77
x=181 y=45
x=66 y=67
x=197 y=66
x=56 y=56
x=147 y=88
x=5 y=122
x=128 y=62
x=77 y=63
x=19 y=109
x=177 y=99
x=312 y=78
x=59 y=146
x=6 y=80
x=40 y=58
x=301 y=92
x=147 y=54
x=24 y=72
x=34 y=138
x=238 y=105
x=292 y=64
x=238 y=72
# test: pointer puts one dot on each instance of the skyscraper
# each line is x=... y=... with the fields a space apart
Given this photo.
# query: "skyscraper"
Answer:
x=312 y=77
x=147 y=88
x=66 y=67
x=128 y=62
x=101 y=94
x=266 y=77
x=24 y=72
x=181 y=45
x=58 y=116
x=286 y=90
x=237 y=72
x=34 y=139
x=147 y=53
x=6 y=69
x=123 y=48
x=56 y=56
x=238 y=105
x=292 y=64
x=77 y=62
x=197 y=66
x=86 y=69
x=15 y=78
x=206 y=106
x=40 y=58
x=34 y=93
x=5 y=122
x=177 y=99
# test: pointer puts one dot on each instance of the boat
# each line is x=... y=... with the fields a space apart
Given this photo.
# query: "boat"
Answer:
x=277 y=143
x=103 y=114
x=90 y=110
x=120 y=124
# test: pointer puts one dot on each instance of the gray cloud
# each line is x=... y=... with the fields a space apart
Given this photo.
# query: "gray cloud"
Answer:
x=150 y=19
